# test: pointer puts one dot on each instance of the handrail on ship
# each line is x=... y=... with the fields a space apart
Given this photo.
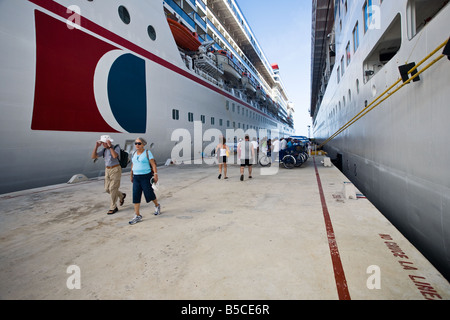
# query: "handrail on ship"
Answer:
x=369 y=108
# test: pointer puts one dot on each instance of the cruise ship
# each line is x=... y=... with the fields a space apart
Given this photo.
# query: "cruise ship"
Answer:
x=73 y=70
x=380 y=108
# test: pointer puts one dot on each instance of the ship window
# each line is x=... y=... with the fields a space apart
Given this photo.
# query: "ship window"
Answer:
x=386 y=48
x=213 y=121
x=347 y=51
x=355 y=37
x=175 y=114
x=367 y=14
x=421 y=12
x=124 y=15
x=151 y=32
x=203 y=118
x=190 y=117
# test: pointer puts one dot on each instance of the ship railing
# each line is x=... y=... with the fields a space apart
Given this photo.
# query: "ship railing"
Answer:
x=186 y=18
x=238 y=93
x=192 y=4
x=204 y=62
x=202 y=5
x=206 y=76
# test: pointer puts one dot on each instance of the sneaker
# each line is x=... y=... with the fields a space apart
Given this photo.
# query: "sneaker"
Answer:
x=158 y=210
x=135 y=219
x=220 y=176
x=242 y=177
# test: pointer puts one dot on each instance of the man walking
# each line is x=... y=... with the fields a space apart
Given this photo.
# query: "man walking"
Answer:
x=247 y=156
x=113 y=171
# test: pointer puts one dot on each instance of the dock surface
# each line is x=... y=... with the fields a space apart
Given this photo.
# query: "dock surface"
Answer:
x=283 y=235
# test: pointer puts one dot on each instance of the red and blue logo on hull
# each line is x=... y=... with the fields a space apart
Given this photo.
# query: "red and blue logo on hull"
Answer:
x=85 y=84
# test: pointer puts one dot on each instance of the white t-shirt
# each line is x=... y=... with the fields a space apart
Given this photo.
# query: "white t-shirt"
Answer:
x=222 y=152
x=246 y=148
x=276 y=146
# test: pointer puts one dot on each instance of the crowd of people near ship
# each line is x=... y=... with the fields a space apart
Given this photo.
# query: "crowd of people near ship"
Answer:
x=144 y=173
x=275 y=148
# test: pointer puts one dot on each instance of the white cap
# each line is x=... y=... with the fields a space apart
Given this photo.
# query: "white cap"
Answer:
x=106 y=138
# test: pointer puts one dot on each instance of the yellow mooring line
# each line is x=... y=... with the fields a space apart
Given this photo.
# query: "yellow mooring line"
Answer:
x=375 y=104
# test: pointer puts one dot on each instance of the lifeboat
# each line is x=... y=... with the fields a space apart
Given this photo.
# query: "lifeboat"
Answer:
x=230 y=67
x=248 y=82
x=260 y=94
x=183 y=36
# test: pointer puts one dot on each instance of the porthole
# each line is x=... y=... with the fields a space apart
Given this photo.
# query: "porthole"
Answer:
x=151 y=32
x=124 y=15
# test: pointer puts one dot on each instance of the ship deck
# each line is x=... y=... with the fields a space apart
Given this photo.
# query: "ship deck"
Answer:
x=292 y=235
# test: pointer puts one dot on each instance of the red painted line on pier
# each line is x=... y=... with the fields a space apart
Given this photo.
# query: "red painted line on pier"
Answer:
x=339 y=275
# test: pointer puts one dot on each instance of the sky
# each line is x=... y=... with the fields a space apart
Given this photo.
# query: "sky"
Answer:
x=283 y=30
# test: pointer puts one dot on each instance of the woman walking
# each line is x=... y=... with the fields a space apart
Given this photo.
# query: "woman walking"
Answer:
x=222 y=152
x=143 y=167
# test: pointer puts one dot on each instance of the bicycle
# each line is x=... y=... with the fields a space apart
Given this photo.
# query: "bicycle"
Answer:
x=295 y=157
x=264 y=160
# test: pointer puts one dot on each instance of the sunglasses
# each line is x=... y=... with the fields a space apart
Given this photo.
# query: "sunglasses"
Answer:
x=138 y=143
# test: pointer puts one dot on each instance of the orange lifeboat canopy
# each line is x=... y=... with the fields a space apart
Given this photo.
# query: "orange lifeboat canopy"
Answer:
x=183 y=36
x=225 y=53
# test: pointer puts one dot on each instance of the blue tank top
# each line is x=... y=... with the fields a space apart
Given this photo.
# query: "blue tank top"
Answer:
x=141 y=164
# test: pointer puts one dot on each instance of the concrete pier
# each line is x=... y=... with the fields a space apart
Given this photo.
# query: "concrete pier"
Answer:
x=285 y=234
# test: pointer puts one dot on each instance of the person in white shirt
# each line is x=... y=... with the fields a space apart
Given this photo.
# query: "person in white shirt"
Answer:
x=222 y=152
x=255 y=147
x=247 y=156
x=283 y=144
x=275 y=149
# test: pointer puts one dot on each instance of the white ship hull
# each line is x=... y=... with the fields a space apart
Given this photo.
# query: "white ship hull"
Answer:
x=397 y=154
x=44 y=142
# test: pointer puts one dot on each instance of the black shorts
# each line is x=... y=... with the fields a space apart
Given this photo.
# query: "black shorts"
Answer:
x=246 y=162
x=142 y=184
x=223 y=159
